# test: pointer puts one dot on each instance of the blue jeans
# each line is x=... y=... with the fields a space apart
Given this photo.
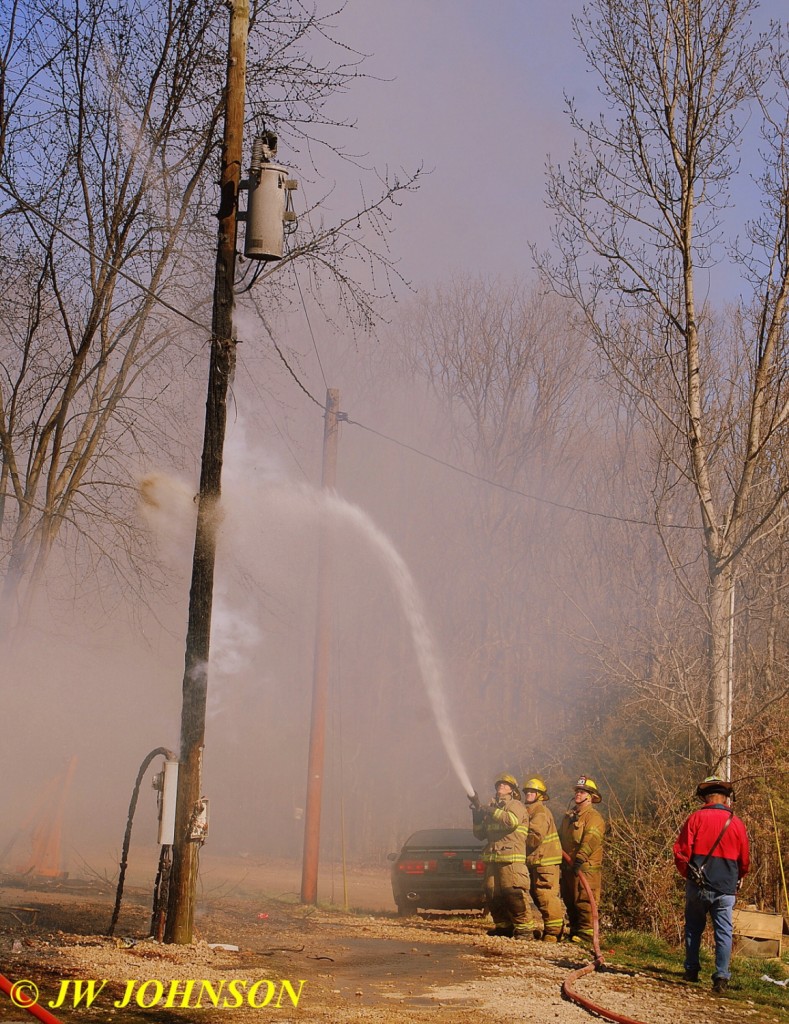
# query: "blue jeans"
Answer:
x=719 y=906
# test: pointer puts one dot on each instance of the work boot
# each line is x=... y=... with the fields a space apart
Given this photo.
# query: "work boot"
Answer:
x=690 y=975
x=523 y=935
x=550 y=938
x=720 y=985
x=505 y=931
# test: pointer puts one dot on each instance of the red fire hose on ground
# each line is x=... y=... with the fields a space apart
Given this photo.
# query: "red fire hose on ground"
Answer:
x=20 y=994
x=596 y=964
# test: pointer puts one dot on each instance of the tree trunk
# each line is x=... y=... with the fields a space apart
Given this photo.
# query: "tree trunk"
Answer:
x=718 y=695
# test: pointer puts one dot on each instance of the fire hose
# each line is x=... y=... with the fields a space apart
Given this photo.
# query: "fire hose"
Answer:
x=597 y=964
x=18 y=993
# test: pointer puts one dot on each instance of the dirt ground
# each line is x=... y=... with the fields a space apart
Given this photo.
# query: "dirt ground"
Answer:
x=362 y=965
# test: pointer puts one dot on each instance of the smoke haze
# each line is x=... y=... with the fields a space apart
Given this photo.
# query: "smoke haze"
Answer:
x=107 y=689
x=97 y=671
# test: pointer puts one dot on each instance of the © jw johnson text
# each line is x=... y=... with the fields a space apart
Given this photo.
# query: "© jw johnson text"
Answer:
x=191 y=993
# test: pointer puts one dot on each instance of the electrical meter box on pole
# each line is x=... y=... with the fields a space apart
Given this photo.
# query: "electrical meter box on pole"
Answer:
x=268 y=202
x=166 y=785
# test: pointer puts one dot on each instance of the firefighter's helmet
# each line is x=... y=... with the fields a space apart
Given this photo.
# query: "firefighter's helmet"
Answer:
x=536 y=785
x=713 y=784
x=589 y=786
x=511 y=781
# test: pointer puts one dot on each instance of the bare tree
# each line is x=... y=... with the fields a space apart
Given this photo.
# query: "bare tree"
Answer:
x=508 y=373
x=641 y=213
x=109 y=118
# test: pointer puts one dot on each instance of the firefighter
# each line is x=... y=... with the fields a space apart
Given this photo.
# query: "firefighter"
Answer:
x=505 y=825
x=543 y=857
x=712 y=855
x=581 y=836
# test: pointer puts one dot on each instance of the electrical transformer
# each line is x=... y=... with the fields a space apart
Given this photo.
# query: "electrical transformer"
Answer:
x=268 y=202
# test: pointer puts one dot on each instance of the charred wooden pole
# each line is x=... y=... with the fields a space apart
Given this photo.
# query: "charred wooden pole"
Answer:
x=183 y=880
x=320 y=676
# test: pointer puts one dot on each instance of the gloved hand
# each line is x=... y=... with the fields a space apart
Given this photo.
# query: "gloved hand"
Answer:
x=578 y=867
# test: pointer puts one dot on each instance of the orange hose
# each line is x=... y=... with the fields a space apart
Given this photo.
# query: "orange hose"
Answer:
x=595 y=965
x=21 y=1000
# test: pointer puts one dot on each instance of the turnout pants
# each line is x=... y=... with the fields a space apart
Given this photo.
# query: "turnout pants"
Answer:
x=544 y=891
x=506 y=889
x=579 y=909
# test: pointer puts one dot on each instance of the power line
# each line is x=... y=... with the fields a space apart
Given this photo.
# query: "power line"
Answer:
x=282 y=435
x=289 y=368
x=505 y=487
x=345 y=418
x=25 y=206
x=301 y=294
x=309 y=324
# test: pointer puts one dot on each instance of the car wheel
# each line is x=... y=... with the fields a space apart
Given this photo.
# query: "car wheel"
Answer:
x=406 y=909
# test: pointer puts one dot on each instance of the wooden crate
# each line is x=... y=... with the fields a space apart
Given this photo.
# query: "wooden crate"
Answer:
x=758 y=934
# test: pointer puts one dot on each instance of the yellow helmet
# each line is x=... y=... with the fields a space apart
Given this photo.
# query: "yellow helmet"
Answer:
x=537 y=786
x=589 y=786
x=511 y=781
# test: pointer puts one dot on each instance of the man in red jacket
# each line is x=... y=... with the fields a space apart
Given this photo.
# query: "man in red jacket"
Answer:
x=711 y=854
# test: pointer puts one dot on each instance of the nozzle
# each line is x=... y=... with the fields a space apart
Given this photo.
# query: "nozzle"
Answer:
x=474 y=802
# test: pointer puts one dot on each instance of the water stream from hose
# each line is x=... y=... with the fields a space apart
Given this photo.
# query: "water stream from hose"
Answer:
x=170 y=511
x=428 y=657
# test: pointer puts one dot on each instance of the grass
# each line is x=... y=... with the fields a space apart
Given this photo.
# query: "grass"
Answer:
x=656 y=958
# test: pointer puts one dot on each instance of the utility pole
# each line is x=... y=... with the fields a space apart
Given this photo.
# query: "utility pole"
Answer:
x=183 y=881
x=320 y=676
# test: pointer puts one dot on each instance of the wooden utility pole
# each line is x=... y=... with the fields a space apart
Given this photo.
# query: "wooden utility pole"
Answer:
x=183 y=881
x=320 y=676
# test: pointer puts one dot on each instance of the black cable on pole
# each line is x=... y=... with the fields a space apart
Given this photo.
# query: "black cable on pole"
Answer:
x=161 y=889
x=159 y=752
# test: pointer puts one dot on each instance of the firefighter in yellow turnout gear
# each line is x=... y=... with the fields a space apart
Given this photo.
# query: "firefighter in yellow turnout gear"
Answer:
x=543 y=858
x=504 y=823
x=581 y=834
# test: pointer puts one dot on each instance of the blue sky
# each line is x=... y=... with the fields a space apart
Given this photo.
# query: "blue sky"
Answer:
x=475 y=92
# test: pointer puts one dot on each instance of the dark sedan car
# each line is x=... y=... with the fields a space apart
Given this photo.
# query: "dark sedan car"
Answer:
x=439 y=869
